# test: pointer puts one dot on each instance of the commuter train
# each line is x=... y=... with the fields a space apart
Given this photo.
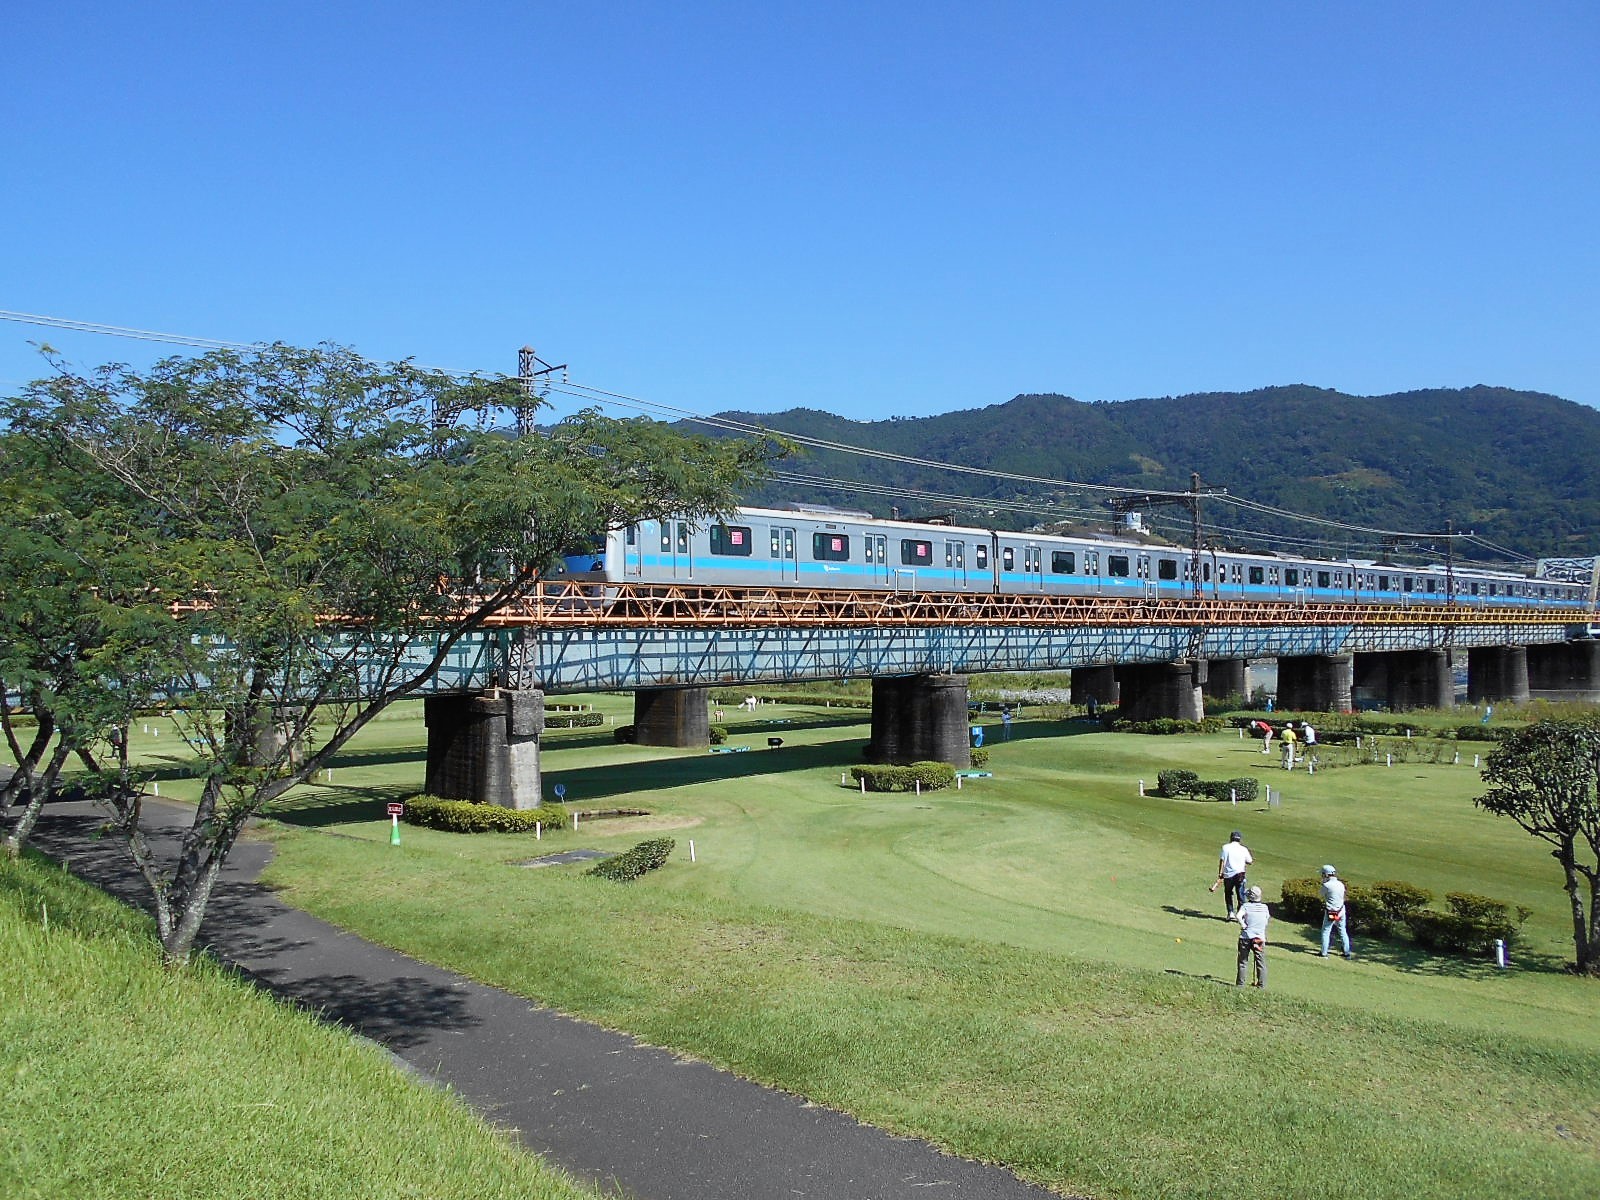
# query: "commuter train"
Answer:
x=824 y=548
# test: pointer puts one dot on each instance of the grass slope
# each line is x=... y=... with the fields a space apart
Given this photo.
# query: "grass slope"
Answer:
x=1029 y=971
x=121 y=1080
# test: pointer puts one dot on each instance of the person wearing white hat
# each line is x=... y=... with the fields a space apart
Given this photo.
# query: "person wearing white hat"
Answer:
x=1253 y=918
x=1334 y=912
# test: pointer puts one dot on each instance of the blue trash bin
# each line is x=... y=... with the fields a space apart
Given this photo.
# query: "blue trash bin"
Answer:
x=977 y=735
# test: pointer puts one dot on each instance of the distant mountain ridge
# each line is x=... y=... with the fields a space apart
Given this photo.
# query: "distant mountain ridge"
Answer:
x=1521 y=469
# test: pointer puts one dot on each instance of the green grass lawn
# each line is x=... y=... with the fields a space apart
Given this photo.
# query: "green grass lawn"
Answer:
x=124 y=1081
x=1030 y=970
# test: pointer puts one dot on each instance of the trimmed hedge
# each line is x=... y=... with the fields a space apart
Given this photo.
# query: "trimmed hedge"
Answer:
x=631 y=864
x=1168 y=725
x=469 y=816
x=886 y=778
x=980 y=756
x=582 y=720
x=1186 y=784
x=719 y=734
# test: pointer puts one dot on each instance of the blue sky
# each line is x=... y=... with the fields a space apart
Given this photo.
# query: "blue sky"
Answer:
x=872 y=209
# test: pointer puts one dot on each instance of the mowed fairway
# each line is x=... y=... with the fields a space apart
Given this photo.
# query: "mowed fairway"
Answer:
x=1029 y=971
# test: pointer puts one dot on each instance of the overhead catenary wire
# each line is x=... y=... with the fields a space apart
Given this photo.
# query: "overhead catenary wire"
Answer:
x=587 y=392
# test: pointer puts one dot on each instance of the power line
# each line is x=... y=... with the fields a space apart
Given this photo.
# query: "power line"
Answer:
x=728 y=424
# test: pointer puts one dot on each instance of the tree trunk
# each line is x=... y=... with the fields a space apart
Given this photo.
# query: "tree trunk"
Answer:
x=178 y=946
x=38 y=788
x=1583 y=942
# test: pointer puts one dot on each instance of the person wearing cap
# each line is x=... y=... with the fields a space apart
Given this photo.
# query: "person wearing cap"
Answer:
x=1288 y=746
x=1253 y=918
x=1334 y=912
x=1231 y=864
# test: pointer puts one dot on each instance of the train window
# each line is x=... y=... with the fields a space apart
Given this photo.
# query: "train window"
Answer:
x=683 y=537
x=1257 y=575
x=633 y=535
x=916 y=553
x=1205 y=572
x=1324 y=579
x=1383 y=583
x=830 y=547
x=983 y=557
x=1433 y=585
x=1236 y=575
x=1117 y=565
x=732 y=539
x=1272 y=576
x=1063 y=562
x=1091 y=562
x=1166 y=568
x=1291 y=577
x=1008 y=558
x=1474 y=587
x=1411 y=584
x=666 y=535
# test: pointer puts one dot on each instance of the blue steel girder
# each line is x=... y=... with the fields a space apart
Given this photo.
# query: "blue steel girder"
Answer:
x=568 y=659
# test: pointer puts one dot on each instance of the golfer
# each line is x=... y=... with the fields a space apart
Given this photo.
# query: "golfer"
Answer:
x=1231 y=864
x=1334 y=913
x=1253 y=919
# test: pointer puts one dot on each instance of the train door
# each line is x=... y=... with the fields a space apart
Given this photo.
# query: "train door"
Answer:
x=680 y=535
x=1147 y=586
x=785 y=564
x=877 y=546
x=1033 y=567
x=632 y=558
x=1091 y=571
x=955 y=561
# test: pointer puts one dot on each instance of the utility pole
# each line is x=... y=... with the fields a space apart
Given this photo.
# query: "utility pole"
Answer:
x=530 y=368
x=1194 y=515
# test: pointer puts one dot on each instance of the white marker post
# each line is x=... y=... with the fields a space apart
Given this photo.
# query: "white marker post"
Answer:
x=1141 y=787
x=691 y=850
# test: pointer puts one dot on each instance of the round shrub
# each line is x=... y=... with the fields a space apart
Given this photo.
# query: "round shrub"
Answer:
x=469 y=816
x=626 y=735
x=980 y=756
x=719 y=734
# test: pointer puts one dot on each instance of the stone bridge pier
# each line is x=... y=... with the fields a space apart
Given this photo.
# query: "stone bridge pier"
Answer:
x=484 y=746
x=1497 y=673
x=920 y=718
x=1151 y=691
x=1404 y=679
x=1564 y=671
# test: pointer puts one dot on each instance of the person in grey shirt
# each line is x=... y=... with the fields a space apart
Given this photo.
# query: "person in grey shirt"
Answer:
x=1253 y=918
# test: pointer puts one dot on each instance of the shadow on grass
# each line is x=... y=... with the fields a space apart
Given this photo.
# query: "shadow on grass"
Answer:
x=329 y=805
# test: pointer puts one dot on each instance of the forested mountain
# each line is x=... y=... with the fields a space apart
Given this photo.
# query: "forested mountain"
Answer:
x=1521 y=469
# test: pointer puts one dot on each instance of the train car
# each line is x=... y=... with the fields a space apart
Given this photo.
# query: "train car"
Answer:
x=821 y=547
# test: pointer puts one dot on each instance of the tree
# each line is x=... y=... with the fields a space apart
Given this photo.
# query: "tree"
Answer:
x=1546 y=778
x=306 y=518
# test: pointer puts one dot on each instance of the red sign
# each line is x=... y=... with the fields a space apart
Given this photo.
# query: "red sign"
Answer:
x=397 y=810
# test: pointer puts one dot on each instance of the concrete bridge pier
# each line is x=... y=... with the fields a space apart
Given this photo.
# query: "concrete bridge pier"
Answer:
x=1151 y=691
x=1497 y=673
x=1564 y=671
x=1315 y=682
x=920 y=718
x=275 y=739
x=1225 y=677
x=484 y=746
x=1404 y=679
x=672 y=716
x=1097 y=682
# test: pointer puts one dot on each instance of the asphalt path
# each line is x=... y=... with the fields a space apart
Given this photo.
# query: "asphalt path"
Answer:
x=638 y=1120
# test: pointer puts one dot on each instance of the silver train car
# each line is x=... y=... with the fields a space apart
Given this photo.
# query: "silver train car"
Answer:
x=813 y=548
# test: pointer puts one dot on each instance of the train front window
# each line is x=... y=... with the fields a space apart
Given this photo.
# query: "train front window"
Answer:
x=830 y=547
x=732 y=540
x=916 y=553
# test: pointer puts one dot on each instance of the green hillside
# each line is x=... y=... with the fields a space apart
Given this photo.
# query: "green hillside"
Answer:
x=1517 y=468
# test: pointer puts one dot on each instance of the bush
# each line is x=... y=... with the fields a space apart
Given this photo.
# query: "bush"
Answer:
x=1397 y=898
x=469 y=816
x=719 y=734
x=933 y=776
x=631 y=864
x=980 y=756
x=579 y=720
x=1176 y=782
x=1169 y=725
x=626 y=735
x=1302 y=902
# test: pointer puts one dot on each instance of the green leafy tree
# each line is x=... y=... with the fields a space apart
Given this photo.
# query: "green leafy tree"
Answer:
x=1546 y=778
x=310 y=519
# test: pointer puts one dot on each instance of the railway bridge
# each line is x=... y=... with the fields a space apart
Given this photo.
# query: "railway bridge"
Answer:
x=670 y=644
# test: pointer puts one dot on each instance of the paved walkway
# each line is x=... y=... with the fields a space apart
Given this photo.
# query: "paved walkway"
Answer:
x=599 y=1104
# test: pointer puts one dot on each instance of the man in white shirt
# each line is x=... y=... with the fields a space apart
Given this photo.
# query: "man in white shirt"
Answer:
x=1230 y=872
x=1334 y=912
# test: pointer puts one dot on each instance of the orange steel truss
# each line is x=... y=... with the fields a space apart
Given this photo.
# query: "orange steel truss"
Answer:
x=632 y=606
